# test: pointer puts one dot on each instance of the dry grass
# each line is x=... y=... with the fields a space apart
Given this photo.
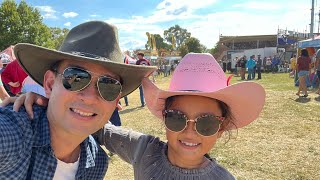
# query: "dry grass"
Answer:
x=283 y=143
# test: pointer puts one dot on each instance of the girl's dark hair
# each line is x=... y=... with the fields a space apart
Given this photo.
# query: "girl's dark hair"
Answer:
x=304 y=52
x=226 y=112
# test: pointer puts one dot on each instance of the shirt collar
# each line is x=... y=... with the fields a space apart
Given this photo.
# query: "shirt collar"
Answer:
x=88 y=147
x=87 y=155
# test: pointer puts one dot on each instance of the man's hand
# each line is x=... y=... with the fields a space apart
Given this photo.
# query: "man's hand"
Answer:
x=14 y=84
x=27 y=100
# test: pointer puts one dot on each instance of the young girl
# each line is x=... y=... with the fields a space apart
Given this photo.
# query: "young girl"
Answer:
x=198 y=107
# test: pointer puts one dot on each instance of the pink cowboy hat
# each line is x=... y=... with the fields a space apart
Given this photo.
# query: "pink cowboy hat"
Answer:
x=200 y=75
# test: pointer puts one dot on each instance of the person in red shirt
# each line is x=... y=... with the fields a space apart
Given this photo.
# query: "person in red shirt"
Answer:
x=13 y=75
x=303 y=67
x=143 y=62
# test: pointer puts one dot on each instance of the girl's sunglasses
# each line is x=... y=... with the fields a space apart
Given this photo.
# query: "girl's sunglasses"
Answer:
x=205 y=125
x=77 y=79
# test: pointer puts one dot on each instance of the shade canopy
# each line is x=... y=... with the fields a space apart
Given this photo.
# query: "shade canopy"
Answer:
x=309 y=43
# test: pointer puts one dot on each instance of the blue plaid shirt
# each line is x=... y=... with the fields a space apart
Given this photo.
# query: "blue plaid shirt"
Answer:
x=26 y=153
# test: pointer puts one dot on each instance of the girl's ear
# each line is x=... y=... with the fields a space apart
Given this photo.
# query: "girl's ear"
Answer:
x=48 y=81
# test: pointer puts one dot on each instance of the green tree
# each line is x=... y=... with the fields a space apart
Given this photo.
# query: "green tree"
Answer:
x=9 y=24
x=57 y=36
x=179 y=33
x=214 y=50
x=183 y=50
x=159 y=43
x=192 y=44
x=22 y=23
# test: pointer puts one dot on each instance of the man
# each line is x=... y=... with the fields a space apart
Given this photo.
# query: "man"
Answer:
x=143 y=62
x=235 y=62
x=250 y=65
x=258 y=66
x=243 y=62
x=84 y=81
x=127 y=60
x=274 y=64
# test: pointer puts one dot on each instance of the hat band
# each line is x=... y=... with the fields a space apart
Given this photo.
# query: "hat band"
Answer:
x=190 y=90
x=88 y=55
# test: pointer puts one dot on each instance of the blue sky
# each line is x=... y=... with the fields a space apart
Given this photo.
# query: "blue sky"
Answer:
x=205 y=19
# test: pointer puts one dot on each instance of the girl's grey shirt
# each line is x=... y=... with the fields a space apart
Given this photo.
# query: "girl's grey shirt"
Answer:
x=147 y=155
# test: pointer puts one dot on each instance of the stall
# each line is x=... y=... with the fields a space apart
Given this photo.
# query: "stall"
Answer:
x=312 y=45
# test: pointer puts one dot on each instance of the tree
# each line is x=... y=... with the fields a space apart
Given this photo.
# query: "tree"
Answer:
x=58 y=36
x=9 y=23
x=214 y=50
x=192 y=45
x=183 y=50
x=159 y=41
x=22 y=23
x=180 y=35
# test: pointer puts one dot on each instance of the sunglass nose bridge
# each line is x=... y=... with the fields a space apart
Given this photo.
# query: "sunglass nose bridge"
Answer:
x=191 y=124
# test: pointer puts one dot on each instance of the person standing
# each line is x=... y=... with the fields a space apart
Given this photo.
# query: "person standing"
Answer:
x=268 y=65
x=258 y=66
x=142 y=62
x=235 y=62
x=243 y=63
x=13 y=75
x=128 y=60
x=303 y=67
x=3 y=93
x=293 y=63
x=250 y=65
x=264 y=64
x=274 y=64
x=255 y=67
x=238 y=66
x=317 y=68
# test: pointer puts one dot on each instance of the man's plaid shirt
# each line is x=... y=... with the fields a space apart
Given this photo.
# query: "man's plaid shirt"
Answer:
x=25 y=151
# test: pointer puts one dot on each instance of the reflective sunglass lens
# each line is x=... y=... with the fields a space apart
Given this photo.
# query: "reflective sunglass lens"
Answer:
x=75 y=79
x=207 y=125
x=175 y=121
x=109 y=88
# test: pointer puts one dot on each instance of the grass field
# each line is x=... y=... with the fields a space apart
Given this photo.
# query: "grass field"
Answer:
x=283 y=143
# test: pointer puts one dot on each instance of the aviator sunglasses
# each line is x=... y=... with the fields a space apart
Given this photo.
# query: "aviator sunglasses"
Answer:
x=77 y=79
x=205 y=125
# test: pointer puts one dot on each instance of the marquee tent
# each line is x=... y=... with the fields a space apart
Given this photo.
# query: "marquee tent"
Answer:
x=310 y=43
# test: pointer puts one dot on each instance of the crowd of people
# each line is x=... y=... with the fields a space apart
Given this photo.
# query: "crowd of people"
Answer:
x=255 y=65
x=59 y=136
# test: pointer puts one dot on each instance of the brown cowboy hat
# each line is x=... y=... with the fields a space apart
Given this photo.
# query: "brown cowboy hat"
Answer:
x=95 y=42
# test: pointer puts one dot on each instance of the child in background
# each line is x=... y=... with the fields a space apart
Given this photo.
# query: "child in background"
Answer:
x=198 y=108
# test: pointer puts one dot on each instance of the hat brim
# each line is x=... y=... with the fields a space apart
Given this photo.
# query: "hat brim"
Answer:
x=36 y=60
x=246 y=100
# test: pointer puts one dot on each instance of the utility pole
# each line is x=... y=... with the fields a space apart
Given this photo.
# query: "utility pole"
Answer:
x=318 y=22
x=312 y=20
